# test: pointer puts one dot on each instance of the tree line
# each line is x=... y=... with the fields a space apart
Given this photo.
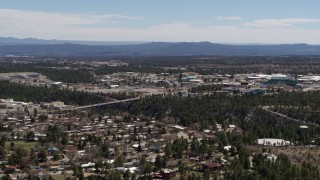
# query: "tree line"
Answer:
x=20 y=92
x=54 y=74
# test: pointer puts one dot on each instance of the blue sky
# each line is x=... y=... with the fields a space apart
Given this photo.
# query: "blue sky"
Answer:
x=223 y=21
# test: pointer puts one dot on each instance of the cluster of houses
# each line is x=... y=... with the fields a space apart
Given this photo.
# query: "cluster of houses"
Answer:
x=134 y=138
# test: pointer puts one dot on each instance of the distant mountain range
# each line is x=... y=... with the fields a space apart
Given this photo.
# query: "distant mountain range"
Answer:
x=38 y=47
x=35 y=41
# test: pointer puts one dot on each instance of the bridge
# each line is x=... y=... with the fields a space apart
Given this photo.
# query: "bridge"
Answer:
x=102 y=104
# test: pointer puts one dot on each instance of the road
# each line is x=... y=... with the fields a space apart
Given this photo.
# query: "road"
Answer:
x=102 y=104
x=265 y=108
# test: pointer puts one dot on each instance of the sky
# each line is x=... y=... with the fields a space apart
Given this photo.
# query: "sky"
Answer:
x=217 y=21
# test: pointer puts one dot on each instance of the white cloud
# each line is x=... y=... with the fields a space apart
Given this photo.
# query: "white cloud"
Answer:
x=290 y=22
x=94 y=27
x=28 y=18
x=233 y=34
x=235 y=18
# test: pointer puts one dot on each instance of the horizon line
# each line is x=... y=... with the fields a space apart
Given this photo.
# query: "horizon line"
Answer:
x=156 y=41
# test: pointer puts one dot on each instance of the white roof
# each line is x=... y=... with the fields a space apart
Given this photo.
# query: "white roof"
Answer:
x=89 y=164
x=132 y=169
x=178 y=127
x=303 y=127
x=135 y=145
x=114 y=85
x=166 y=171
x=272 y=142
x=309 y=78
x=227 y=148
x=110 y=161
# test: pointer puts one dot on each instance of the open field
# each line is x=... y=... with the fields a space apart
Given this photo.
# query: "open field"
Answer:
x=26 y=145
x=60 y=177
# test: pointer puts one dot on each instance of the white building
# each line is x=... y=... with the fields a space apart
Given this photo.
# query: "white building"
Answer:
x=273 y=142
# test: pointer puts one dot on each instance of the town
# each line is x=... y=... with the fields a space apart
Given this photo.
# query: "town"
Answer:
x=117 y=131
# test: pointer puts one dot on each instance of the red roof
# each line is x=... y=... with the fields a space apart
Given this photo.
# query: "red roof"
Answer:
x=11 y=167
x=212 y=165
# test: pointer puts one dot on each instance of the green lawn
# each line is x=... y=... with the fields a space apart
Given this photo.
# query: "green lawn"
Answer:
x=23 y=144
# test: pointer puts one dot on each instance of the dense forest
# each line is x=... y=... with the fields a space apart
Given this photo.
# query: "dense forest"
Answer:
x=221 y=103
x=232 y=65
x=299 y=112
x=130 y=68
x=294 y=65
x=20 y=92
x=242 y=110
x=54 y=74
